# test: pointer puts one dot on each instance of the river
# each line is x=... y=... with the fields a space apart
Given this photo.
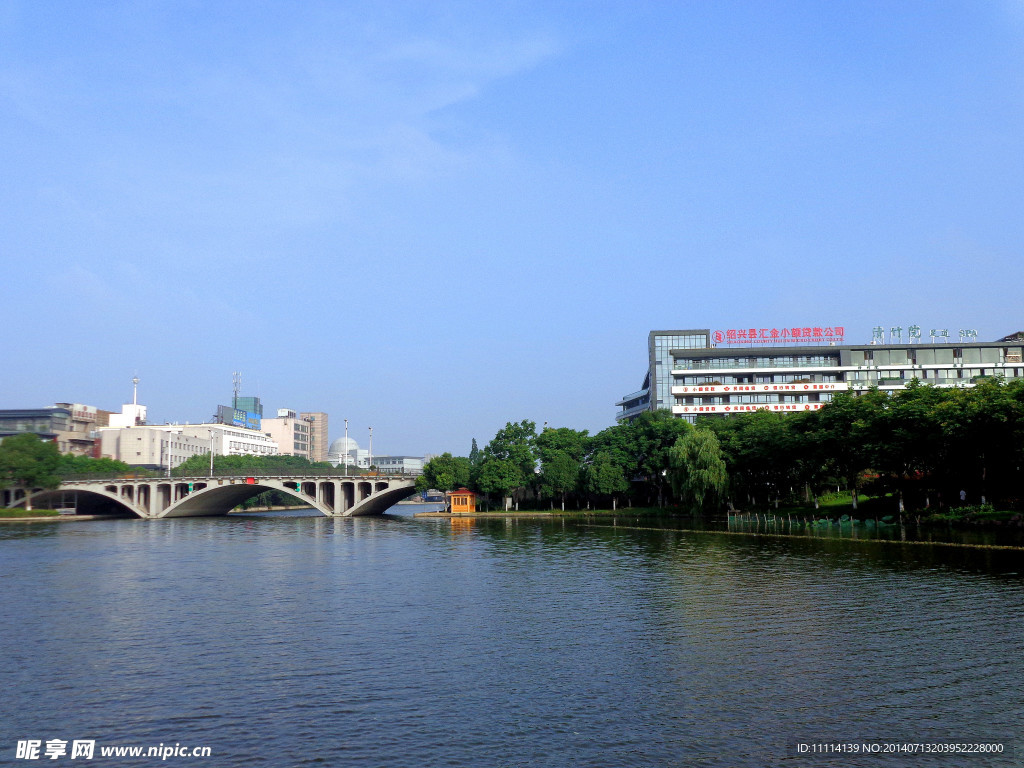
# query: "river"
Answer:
x=289 y=639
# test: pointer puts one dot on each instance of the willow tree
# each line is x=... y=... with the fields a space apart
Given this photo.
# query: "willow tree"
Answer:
x=696 y=470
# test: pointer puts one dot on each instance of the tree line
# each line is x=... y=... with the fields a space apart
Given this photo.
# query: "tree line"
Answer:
x=922 y=447
x=925 y=447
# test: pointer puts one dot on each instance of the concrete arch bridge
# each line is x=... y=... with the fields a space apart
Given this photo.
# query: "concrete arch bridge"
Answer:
x=154 y=498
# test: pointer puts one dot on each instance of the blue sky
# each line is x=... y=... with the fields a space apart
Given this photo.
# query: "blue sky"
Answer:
x=433 y=218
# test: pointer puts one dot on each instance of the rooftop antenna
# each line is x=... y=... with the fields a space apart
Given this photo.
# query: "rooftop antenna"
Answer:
x=135 y=390
x=236 y=380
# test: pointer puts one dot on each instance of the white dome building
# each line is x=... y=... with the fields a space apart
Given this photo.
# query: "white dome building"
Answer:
x=342 y=448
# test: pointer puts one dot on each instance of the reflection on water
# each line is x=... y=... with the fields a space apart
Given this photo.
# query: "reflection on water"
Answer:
x=291 y=639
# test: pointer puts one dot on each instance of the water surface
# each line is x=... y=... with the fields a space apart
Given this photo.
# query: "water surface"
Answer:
x=289 y=639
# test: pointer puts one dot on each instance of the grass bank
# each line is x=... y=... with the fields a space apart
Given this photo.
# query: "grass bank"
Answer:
x=18 y=512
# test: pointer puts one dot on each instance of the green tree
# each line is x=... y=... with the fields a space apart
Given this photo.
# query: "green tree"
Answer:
x=445 y=473
x=515 y=443
x=71 y=465
x=760 y=449
x=30 y=462
x=199 y=466
x=697 y=470
x=518 y=444
x=559 y=475
x=604 y=477
x=984 y=434
x=561 y=451
x=562 y=440
x=651 y=436
x=501 y=476
x=848 y=430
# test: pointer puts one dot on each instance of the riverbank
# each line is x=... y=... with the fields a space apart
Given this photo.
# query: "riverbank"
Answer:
x=568 y=513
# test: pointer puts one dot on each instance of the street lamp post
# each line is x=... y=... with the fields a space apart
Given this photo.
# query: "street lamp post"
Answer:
x=211 y=454
x=370 y=460
x=346 y=447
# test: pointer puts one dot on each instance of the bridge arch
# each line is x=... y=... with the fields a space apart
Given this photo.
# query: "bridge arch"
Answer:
x=221 y=499
x=86 y=502
x=332 y=496
x=385 y=498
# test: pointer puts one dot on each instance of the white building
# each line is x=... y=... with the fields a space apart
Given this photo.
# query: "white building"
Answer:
x=156 y=447
x=399 y=465
x=705 y=372
x=168 y=445
x=132 y=414
x=235 y=441
x=344 y=451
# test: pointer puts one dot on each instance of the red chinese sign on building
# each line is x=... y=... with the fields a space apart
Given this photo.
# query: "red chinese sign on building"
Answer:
x=819 y=335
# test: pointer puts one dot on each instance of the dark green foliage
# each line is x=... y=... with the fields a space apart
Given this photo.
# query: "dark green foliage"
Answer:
x=509 y=460
x=500 y=476
x=85 y=466
x=604 y=477
x=199 y=466
x=28 y=461
x=444 y=473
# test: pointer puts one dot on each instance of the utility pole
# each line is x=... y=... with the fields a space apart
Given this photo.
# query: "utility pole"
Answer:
x=211 y=454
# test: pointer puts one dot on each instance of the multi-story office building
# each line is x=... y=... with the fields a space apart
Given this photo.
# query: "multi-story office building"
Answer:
x=72 y=426
x=45 y=422
x=291 y=433
x=703 y=372
x=317 y=421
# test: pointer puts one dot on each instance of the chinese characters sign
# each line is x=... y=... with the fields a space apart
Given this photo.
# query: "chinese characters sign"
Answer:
x=816 y=335
x=915 y=332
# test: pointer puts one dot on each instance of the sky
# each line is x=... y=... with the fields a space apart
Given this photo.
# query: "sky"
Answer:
x=432 y=218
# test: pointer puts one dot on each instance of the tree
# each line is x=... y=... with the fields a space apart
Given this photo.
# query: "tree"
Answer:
x=652 y=435
x=559 y=475
x=553 y=441
x=501 y=476
x=984 y=431
x=604 y=477
x=30 y=462
x=848 y=433
x=561 y=452
x=760 y=449
x=199 y=466
x=697 y=470
x=515 y=443
x=445 y=473
x=71 y=465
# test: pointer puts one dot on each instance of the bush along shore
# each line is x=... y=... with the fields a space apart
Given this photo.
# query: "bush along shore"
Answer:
x=17 y=512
